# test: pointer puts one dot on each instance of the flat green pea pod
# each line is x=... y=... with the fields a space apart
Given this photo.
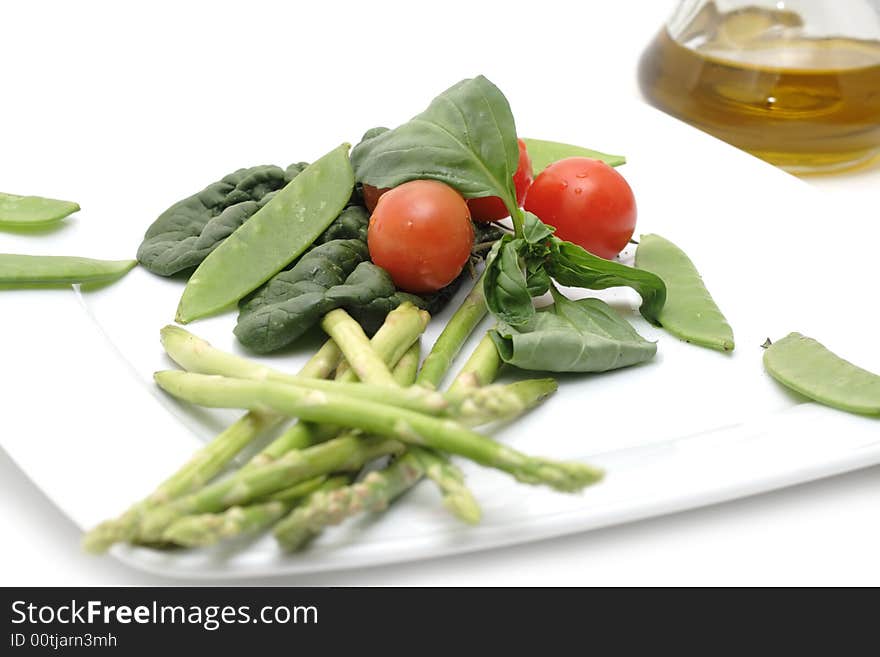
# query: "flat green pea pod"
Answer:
x=544 y=153
x=807 y=367
x=277 y=234
x=33 y=211
x=689 y=313
x=26 y=270
x=183 y=236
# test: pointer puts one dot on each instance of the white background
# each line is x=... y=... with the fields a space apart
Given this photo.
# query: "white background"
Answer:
x=182 y=60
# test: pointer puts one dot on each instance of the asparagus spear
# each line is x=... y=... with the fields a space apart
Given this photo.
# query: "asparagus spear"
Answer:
x=346 y=453
x=402 y=327
x=403 y=320
x=484 y=405
x=471 y=312
x=457 y=497
x=499 y=403
x=348 y=334
x=210 y=528
x=404 y=373
x=386 y=485
x=374 y=493
x=206 y=463
x=480 y=369
x=381 y=487
x=197 y=355
x=380 y=419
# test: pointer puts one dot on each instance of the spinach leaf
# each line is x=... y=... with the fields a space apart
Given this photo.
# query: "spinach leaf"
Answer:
x=369 y=294
x=573 y=336
x=571 y=265
x=466 y=138
x=351 y=224
x=183 y=236
x=295 y=300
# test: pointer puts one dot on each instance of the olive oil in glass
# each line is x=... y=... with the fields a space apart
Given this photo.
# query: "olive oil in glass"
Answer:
x=765 y=79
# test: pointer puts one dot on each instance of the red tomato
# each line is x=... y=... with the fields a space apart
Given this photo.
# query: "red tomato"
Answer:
x=492 y=208
x=588 y=203
x=371 y=196
x=421 y=234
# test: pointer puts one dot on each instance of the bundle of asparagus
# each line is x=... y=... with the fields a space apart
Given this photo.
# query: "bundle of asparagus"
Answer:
x=380 y=405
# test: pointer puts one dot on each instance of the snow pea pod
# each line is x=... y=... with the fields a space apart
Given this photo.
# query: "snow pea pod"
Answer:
x=58 y=270
x=690 y=313
x=274 y=236
x=23 y=211
x=807 y=367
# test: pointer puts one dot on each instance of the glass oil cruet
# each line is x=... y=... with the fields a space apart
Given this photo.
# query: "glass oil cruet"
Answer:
x=795 y=82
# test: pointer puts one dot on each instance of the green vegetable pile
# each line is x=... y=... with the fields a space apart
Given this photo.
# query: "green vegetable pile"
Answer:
x=366 y=418
x=296 y=256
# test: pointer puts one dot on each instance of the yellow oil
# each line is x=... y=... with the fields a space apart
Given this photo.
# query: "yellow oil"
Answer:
x=752 y=78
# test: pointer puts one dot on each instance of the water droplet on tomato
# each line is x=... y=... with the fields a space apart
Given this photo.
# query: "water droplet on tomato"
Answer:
x=578 y=190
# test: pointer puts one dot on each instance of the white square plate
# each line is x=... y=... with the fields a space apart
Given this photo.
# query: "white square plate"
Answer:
x=692 y=427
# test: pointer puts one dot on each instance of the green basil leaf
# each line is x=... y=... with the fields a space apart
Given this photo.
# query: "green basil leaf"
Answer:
x=505 y=286
x=573 y=336
x=535 y=231
x=537 y=278
x=544 y=153
x=571 y=265
x=466 y=139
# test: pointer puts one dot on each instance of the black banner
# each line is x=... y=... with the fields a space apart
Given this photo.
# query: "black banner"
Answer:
x=133 y=621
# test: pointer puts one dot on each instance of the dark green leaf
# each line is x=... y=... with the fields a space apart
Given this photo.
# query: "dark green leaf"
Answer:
x=351 y=224
x=466 y=139
x=573 y=336
x=507 y=294
x=183 y=236
x=295 y=300
x=369 y=294
x=571 y=265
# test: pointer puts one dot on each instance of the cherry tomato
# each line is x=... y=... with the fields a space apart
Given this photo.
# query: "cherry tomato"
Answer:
x=588 y=203
x=421 y=234
x=371 y=196
x=492 y=208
